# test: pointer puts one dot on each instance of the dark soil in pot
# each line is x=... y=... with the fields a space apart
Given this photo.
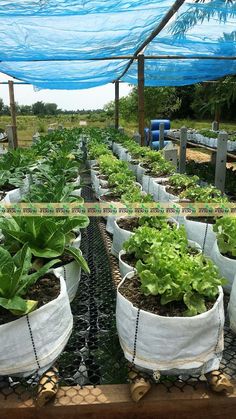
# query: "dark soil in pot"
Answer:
x=103 y=177
x=228 y=255
x=130 y=289
x=110 y=198
x=131 y=223
x=44 y=290
x=174 y=191
x=129 y=259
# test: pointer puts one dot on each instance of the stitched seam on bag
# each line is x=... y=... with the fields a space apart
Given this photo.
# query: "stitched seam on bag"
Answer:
x=32 y=341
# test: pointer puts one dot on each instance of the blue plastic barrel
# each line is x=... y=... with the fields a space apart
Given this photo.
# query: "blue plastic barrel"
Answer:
x=156 y=134
x=155 y=124
x=156 y=144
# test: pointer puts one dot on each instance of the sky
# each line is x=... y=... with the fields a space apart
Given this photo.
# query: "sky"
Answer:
x=94 y=98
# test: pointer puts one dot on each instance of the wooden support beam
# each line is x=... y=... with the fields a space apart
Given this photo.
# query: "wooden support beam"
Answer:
x=141 y=111
x=13 y=112
x=183 y=147
x=114 y=401
x=117 y=97
x=221 y=159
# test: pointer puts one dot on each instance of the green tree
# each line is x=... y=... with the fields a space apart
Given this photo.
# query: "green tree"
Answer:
x=38 y=108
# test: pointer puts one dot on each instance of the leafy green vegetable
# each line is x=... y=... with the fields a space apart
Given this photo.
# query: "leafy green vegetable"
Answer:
x=225 y=228
x=15 y=280
x=46 y=237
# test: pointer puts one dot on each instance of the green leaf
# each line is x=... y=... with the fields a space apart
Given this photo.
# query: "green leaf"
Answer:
x=77 y=254
x=195 y=303
x=17 y=305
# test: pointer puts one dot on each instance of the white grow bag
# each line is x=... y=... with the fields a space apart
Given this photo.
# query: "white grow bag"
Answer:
x=123 y=266
x=90 y=163
x=50 y=327
x=232 y=307
x=133 y=167
x=171 y=345
x=140 y=173
x=227 y=266
x=119 y=237
x=71 y=272
x=13 y=196
x=196 y=231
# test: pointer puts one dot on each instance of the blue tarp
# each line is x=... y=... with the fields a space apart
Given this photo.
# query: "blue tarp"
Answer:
x=49 y=43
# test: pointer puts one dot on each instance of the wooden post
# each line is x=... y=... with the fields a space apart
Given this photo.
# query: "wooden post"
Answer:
x=117 y=94
x=221 y=158
x=141 y=115
x=183 y=147
x=13 y=112
x=161 y=135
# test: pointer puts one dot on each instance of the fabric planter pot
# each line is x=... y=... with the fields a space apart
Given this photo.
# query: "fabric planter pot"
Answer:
x=123 y=266
x=166 y=196
x=171 y=345
x=90 y=163
x=110 y=223
x=46 y=329
x=76 y=192
x=123 y=154
x=71 y=272
x=119 y=237
x=133 y=167
x=226 y=266
x=232 y=307
x=94 y=172
x=13 y=196
x=96 y=184
x=200 y=232
x=103 y=183
x=140 y=173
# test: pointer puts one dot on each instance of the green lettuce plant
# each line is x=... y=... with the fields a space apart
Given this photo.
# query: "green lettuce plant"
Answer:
x=16 y=277
x=181 y=182
x=225 y=229
x=203 y=194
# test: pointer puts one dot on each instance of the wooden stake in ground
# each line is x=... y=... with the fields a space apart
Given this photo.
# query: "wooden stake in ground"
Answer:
x=13 y=112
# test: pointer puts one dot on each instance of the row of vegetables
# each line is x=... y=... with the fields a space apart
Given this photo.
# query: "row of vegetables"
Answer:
x=40 y=257
x=170 y=314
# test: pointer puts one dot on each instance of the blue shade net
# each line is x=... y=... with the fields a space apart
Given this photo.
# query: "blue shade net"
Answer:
x=50 y=43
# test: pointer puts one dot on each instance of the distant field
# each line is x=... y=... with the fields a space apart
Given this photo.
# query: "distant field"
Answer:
x=29 y=125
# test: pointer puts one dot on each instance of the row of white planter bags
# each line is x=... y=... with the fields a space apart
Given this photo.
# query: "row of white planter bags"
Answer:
x=32 y=343
x=176 y=345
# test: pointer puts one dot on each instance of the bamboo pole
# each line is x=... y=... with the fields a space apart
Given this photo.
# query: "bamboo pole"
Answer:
x=13 y=112
x=117 y=93
x=141 y=110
